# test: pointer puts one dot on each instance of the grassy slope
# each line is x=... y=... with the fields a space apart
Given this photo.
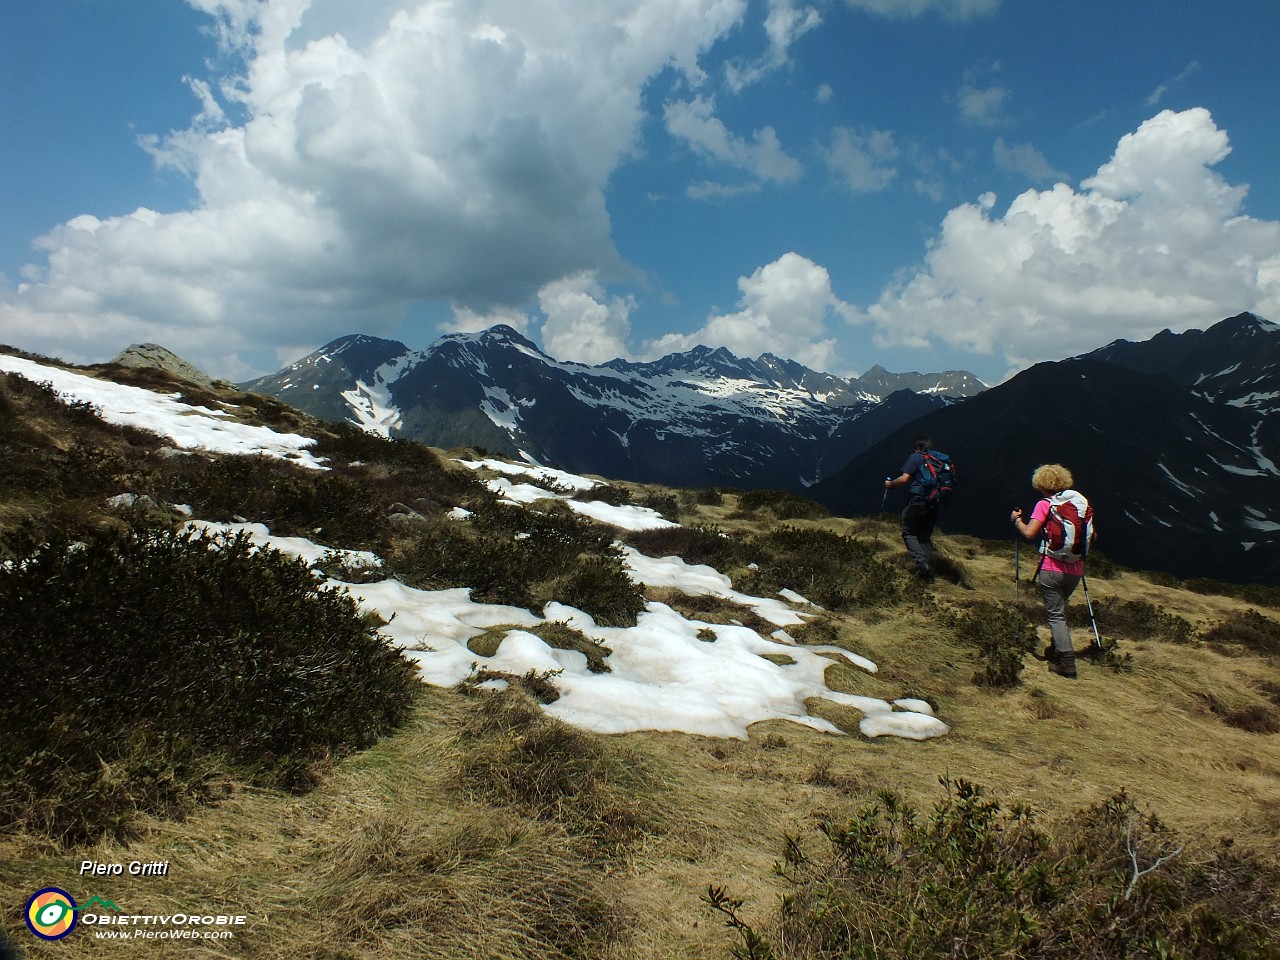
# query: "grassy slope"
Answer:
x=446 y=840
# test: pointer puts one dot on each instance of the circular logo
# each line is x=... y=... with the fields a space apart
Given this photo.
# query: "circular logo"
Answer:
x=51 y=913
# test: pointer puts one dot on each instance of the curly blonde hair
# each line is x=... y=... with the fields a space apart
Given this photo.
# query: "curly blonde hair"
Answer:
x=1051 y=478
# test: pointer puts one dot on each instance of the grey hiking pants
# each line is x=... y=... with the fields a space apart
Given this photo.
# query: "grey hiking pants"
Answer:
x=1056 y=588
x=918 y=521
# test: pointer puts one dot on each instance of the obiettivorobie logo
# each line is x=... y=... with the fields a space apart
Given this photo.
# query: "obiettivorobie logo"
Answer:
x=52 y=912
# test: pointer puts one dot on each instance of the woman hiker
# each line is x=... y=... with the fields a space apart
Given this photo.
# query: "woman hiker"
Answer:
x=1066 y=520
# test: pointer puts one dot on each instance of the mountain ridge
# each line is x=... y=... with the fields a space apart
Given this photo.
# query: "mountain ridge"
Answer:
x=1183 y=479
x=700 y=418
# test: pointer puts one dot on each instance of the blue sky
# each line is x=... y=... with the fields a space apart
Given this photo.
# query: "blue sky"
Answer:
x=925 y=184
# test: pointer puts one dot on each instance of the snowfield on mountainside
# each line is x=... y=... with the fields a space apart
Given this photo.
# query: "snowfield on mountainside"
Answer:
x=189 y=427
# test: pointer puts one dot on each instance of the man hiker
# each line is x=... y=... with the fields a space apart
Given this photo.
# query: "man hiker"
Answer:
x=920 y=515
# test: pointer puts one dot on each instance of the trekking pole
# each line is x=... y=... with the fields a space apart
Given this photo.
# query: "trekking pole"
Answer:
x=880 y=519
x=1097 y=640
x=1017 y=572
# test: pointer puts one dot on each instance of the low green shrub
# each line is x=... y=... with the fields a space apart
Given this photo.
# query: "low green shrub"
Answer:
x=1134 y=620
x=783 y=504
x=696 y=544
x=606 y=493
x=709 y=497
x=1099 y=565
x=601 y=587
x=497 y=569
x=1259 y=594
x=1002 y=635
x=57 y=450
x=1250 y=630
x=1160 y=578
x=972 y=880
x=1108 y=654
x=290 y=500
x=559 y=534
x=833 y=571
x=665 y=504
x=139 y=661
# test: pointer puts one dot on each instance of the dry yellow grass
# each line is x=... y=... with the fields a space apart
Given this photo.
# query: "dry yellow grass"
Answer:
x=390 y=858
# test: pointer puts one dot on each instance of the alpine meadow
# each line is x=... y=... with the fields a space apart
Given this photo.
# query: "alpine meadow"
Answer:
x=368 y=698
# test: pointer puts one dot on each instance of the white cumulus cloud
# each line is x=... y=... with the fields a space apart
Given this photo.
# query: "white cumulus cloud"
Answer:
x=984 y=106
x=1155 y=239
x=864 y=162
x=694 y=121
x=784 y=24
x=1025 y=159
x=583 y=324
x=366 y=155
x=785 y=309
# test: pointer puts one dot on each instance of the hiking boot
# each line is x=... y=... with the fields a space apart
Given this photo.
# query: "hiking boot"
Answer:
x=1063 y=664
x=1050 y=653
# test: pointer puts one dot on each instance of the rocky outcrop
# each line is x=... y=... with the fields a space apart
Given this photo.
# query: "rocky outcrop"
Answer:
x=154 y=355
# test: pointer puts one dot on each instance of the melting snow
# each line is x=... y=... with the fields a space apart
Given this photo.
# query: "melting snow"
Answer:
x=189 y=427
x=545 y=474
x=625 y=516
x=701 y=580
x=294 y=546
x=662 y=675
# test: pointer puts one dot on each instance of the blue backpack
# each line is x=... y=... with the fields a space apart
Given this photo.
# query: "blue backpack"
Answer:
x=935 y=480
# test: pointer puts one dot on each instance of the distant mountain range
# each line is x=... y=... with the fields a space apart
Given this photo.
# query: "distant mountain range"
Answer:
x=1174 y=438
x=701 y=418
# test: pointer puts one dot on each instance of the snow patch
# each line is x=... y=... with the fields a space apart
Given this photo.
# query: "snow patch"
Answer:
x=1185 y=488
x=371 y=403
x=1257 y=520
x=188 y=427
x=549 y=475
x=661 y=677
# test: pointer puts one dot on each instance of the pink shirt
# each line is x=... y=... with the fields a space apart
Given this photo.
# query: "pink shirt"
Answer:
x=1076 y=569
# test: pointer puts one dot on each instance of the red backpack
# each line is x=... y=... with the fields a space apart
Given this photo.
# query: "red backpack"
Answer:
x=1068 y=530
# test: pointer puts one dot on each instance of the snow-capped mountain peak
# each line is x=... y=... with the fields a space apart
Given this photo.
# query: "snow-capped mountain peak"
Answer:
x=702 y=417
